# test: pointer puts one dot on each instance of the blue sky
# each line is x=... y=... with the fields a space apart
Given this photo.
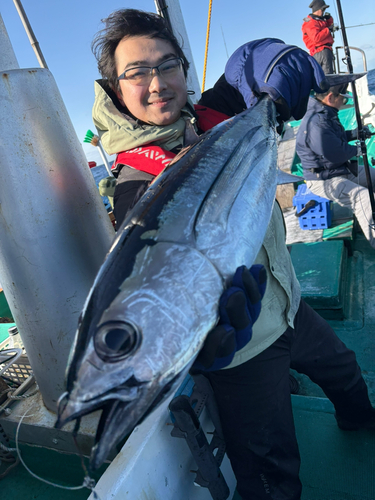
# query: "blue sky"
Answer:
x=65 y=30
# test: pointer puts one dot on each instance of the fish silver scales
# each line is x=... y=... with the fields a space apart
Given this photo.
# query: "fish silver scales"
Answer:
x=156 y=296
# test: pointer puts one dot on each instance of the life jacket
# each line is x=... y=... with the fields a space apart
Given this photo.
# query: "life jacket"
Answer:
x=153 y=159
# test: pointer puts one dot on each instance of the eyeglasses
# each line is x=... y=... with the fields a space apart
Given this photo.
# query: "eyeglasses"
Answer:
x=142 y=75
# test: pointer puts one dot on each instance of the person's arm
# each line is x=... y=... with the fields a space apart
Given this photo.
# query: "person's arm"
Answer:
x=328 y=19
x=319 y=36
x=351 y=135
x=323 y=141
x=224 y=98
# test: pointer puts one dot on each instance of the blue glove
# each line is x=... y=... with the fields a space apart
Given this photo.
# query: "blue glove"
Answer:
x=239 y=308
x=285 y=72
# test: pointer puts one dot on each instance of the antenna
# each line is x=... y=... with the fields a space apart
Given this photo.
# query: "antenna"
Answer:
x=225 y=45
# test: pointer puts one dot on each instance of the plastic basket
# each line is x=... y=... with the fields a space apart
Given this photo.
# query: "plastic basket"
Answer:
x=318 y=217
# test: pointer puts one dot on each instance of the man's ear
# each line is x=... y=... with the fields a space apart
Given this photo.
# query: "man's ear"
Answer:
x=330 y=98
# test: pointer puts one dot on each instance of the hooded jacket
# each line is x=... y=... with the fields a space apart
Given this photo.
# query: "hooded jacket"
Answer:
x=322 y=142
x=316 y=33
x=270 y=66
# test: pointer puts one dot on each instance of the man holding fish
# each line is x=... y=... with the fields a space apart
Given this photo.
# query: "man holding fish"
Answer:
x=263 y=327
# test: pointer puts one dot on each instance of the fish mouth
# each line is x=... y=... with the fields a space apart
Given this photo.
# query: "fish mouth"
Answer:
x=111 y=430
x=118 y=418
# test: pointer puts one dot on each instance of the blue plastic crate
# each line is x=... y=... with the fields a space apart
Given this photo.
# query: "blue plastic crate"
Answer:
x=318 y=217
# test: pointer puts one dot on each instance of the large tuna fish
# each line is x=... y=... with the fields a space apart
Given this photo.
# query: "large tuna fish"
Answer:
x=156 y=296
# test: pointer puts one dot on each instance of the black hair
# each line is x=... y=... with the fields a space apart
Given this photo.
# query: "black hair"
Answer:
x=336 y=90
x=127 y=23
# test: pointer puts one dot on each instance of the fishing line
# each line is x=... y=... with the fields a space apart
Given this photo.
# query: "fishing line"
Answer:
x=337 y=17
x=88 y=482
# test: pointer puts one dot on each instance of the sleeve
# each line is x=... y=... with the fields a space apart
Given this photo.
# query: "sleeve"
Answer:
x=351 y=135
x=324 y=142
x=224 y=98
x=318 y=35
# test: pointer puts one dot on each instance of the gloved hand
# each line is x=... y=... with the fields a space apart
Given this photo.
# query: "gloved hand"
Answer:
x=239 y=308
x=285 y=72
x=366 y=132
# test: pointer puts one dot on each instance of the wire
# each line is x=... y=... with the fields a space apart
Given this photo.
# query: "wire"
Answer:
x=88 y=482
x=225 y=45
x=11 y=360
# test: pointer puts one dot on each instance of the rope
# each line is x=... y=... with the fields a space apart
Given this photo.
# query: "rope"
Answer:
x=5 y=448
x=9 y=393
x=23 y=396
x=6 y=472
x=207 y=41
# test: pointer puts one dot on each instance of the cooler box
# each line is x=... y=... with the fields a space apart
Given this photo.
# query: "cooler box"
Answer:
x=317 y=217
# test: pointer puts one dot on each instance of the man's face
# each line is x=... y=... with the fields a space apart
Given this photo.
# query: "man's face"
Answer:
x=158 y=102
x=336 y=101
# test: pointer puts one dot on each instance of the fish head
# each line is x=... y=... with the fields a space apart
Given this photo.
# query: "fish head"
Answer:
x=143 y=343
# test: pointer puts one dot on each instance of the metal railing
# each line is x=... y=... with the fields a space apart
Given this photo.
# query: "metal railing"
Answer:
x=337 y=62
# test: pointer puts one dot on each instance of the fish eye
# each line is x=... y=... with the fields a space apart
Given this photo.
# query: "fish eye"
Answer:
x=115 y=341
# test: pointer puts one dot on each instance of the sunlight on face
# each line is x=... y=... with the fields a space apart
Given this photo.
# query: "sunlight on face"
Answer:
x=159 y=102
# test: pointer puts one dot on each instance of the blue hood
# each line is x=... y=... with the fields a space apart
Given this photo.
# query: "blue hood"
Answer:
x=252 y=70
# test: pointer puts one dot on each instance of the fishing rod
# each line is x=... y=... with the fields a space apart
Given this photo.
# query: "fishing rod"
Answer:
x=361 y=134
x=359 y=25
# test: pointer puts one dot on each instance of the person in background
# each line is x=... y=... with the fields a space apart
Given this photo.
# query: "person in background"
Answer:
x=142 y=112
x=318 y=29
x=329 y=163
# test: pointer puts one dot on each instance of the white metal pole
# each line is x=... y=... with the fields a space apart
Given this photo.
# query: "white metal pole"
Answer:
x=8 y=59
x=54 y=229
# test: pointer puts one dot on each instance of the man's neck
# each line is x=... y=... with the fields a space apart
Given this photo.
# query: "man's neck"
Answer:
x=328 y=105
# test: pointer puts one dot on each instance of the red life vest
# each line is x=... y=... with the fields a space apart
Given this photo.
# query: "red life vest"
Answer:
x=316 y=34
x=153 y=159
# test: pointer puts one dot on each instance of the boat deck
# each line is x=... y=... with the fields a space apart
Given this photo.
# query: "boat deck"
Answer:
x=337 y=465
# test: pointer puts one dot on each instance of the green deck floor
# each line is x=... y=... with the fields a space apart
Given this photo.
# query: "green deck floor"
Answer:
x=60 y=468
x=338 y=465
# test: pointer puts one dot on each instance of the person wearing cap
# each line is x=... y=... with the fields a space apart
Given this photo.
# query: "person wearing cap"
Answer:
x=329 y=162
x=318 y=29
